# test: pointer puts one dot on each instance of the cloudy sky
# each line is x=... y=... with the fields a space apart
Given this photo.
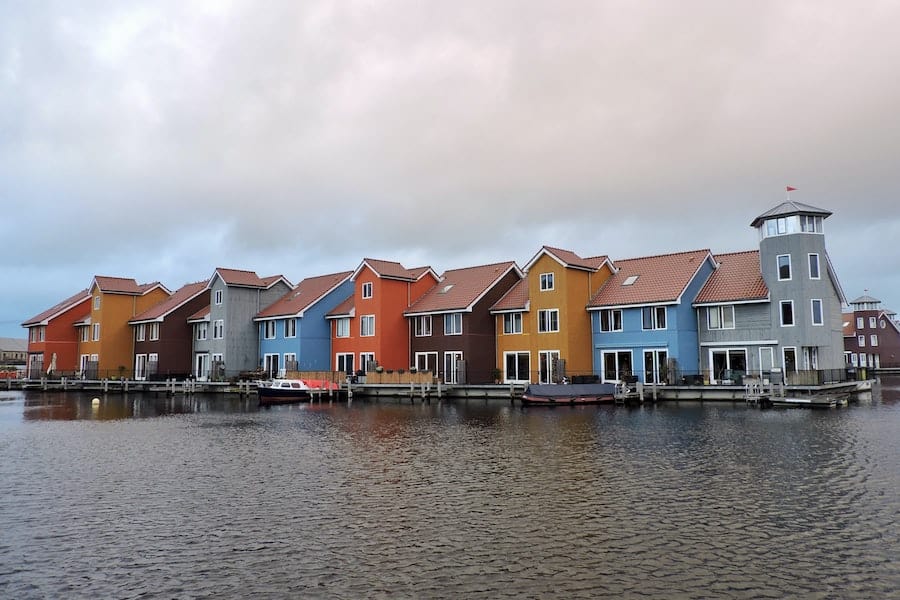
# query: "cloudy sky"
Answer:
x=159 y=140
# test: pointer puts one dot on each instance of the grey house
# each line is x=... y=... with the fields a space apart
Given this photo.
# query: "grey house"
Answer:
x=226 y=339
x=775 y=308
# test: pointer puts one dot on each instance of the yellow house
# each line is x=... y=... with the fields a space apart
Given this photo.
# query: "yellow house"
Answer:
x=106 y=345
x=543 y=326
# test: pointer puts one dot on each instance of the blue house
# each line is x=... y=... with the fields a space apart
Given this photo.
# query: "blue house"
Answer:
x=293 y=332
x=642 y=320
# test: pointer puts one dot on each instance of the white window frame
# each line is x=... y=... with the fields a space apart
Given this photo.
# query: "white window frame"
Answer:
x=763 y=351
x=154 y=331
x=140 y=367
x=516 y=355
x=789 y=267
x=546 y=357
x=451 y=365
x=341 y=357
x=140 y=333
x=219 y=329
x=97 y=302
x=426 y=361
x=547 y=282
x=219 y=295
x=860 y=322
x=720 y=313
x=873 y=323
x=512 y=323
x=784 y=352
x=873 y=340
x=812 y=312
x=202 y=331
x=548 y=320
x=290 y=327
x=422 y=326
x=781 y=306
x=367 y=326
x=365 y=358
x=342 y=327
x=95 y=332
x=85 y=334
x=367 y=290
x=861 y=341
x=655 y=312
x=453 y=323
x=810 y=261
x=269 y=330
x=610 y=317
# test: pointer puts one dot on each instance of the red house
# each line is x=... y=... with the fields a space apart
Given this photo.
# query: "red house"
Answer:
x=53 y=338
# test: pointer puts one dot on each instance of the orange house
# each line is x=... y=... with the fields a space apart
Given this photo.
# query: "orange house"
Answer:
x=543 y=326
x=369 y=328
x=53 y=338
x=107 y=340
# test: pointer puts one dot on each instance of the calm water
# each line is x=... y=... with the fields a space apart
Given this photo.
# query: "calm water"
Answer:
x=155 y=498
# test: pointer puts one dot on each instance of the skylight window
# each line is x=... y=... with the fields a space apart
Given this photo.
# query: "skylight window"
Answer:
x=447 y=288
x=630 y=281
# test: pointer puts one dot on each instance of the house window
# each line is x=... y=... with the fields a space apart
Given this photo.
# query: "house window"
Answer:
x=453 y=324
x=546 y=281
x=201 y=330
x=342 y=327
x=784 y=267
x=290 y=361
x=367 y=361
x=343 y=362
x=616 y=365
x=810 y=224
x=96 y=302
x=367 y=325
x=861 y=341
x=422 y=325
x=154 y=331
x=219 y=295
x=872 y=322
x=140 y=332
x=512 y=323
x=84 y=334
x=548 y=320
x=883 y=323
x=41 y=332
x=720 y=317
x=611 y=319
x=269 y=330
x=96 y=328
x=518 y=366
x=426 y=361
x=653 y=317
x=219 y=329
x=787 y=313
x=290 y=328
x=860 y=322
x=367 y=290
x=814 y=266
x=817 y=317
x=873 y=340
x=452 y=367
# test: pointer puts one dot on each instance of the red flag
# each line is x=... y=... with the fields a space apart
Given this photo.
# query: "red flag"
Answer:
x=790 y=189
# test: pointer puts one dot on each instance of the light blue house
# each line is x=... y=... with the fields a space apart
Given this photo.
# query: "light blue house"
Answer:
x=643 y=323
x=293 y=332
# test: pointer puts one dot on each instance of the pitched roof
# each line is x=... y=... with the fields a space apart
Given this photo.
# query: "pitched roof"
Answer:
x=737 y=279
x=790 y=208
x=162 y=309
x=8 y=344
x=388 y=269
x=568 y=259
x=514 y=300
x=200 y=315
x=866 y=299
x=344 y=309
x=308 y=292
x=44 y=317
x=240 y=278
x=460 y=289
x=650 y=279
x=124 y=285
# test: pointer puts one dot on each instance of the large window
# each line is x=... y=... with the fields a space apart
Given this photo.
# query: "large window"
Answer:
x=546 y=281
x=367 y=290
x=343 y=362
x=611 y=319
x=653 y=317
x=290 y=328
x=342 y=327
x=656 y=368
x=814 y=266
x=453 y=367
x=816 y=309
x=426 y=361
x=616 y=365
x=367 y=361
x=784 y=267
x=787 y=313
x=367 y=325
x=422 y=325
x=512 y=323
x=518 y=367
x=720 y=317
x=548 y=320
x=453 y=324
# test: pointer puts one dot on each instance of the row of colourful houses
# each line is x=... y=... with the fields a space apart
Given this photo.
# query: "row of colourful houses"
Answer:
x=663 y=319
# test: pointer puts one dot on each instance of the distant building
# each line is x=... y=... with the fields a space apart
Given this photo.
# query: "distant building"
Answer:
x=871 y=335
x=13 y=350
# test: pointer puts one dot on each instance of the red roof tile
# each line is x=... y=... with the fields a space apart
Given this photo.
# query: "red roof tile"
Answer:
x=459 y=289
x=738 y=278
x=200 y=315
x=179 y=298
x=649 y=279
x=569 y=259
x=344 y=309
x=393 y=270
x=117 y=285
x=68 y=303
x=515 y=299
x=308 y=292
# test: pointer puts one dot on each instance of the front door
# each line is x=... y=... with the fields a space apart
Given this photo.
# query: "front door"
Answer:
x=547 y=366
x=655 y=366
x=201 y=367
x=451 y=366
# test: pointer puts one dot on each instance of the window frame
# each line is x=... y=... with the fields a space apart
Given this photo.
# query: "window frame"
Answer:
x=818 y=269
x=367 y=290
x=342 y=327
x=270 y=329
x=453 y=324
x=547 y=281
x=219 y=329
x=654 y=312
x=512 y=323
x=611 y=316
x=812 y=311
x=788 y=265
x=95 y=332
x=140 y=333
x=781 y=314
x=219 y=297
x=720 y=312
x=548 y=320
x=422 y=326
x=154 y=331
x=364 y=329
